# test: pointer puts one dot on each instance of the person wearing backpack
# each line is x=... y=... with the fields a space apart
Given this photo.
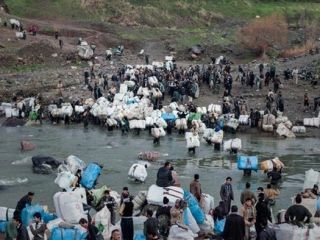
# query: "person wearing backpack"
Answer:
x=164 y=217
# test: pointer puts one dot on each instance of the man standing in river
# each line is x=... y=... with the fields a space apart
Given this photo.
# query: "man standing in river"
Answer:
x=226 y=193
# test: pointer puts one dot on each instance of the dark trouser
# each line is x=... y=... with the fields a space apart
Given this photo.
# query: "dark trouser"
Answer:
x=192 y=150
x=113 y=216
x=246 y=172
x=217 y=146
x=127 y=228
x=156 y=140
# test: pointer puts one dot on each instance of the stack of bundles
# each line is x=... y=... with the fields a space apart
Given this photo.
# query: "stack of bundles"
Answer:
x=282 y=130
x=268 y=165
x=247 y=163
x=138 y=172
x=199 y=125
x=6 y=214
x=298 y=129
x=137 y=124
x=311 y=122
x=215 y=108
x=192 y=140
x=232 y=144
x=181 y=124
x=155 y=194
x=158 y=132
x=268 y=121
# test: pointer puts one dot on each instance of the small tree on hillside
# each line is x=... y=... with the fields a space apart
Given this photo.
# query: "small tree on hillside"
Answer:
x=262 y=34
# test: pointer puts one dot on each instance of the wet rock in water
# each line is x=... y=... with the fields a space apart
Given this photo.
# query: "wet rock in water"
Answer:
x=13 y=122
x=27 y=146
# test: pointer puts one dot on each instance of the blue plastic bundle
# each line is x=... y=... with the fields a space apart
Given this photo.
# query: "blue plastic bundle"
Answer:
x=68 y=233
x=139 y=236
x=3 y=225
x=28 y=212
x=247 y=163
x=194 y=207
x=168 y=116
x=90 y=175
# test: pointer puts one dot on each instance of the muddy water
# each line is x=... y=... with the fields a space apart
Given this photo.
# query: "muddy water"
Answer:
x=117 y=153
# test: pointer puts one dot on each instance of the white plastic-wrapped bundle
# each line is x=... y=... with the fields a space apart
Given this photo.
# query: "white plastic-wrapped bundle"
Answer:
x=155 y=132
x=287 y=231
x=269 y=119
x=152 y=80
x=192 y=140
x=299 y=129
x=123 y=88
x=149 y=121
x=161 y=122
x=232 y=123
x=217 y=137
x=267 y=128
x=78 y=109
x=202 y=110
x=282 y=130
x=111 y=122
x=311 y=122
x=232 y=144
x=215 y=108
x=181 y=124
x=138 y=172
x=244 y=119
x=281 y=119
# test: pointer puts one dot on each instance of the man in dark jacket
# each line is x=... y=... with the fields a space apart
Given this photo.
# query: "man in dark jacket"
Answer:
x=164 y=176
x=226 y=193
x=263 y=214
x=298 y=213
x=25 y=200
x=151 y=226
x=126 y=223
x=195 y=187
x=267 y=233
x=234 y=228
x=38 y=227
x=163 y=215
x=22 y=231
x=108 y=201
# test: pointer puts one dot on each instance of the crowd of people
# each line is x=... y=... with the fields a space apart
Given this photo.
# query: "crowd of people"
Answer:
x=251 y=220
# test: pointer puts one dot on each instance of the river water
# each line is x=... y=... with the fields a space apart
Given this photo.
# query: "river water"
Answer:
x=117 y=153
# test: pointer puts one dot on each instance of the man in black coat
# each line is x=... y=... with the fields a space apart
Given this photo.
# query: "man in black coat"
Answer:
x=25 y=200
x=234 y=228
x=164 y=176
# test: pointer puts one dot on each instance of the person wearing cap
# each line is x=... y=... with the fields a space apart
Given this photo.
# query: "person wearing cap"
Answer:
x=164 y=176
x=22 y=203
x=195 y=187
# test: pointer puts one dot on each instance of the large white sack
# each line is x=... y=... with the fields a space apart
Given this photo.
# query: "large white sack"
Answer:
x=314 y=233
x=207 y=203
x=298 y=129
x=15 y=112
x=282 y=130
x=162 y=132
x=208 y=133
x=8 y=112
x=123 y=88
x=64 y=180
x=103 y=218
x=311 y=122
x=311 y=177
x=269 y=119
x=66 y=109
x=81 y=192
x=232 y=144
x=54 y=223
x=267 y=128
x=178 y=233
x=208 y=225
x=287 y=231
x=192 y=140
x=69 y=207
x=138 y=172
x=244 y=119
x=74 y=164
x=6 y=214
x=79 y=109
x=152 y=80
x=281 y=119
x=217 y=137
x=233 y=123
x=215 y=108
x=190 y=221
x=149 y=121
x=155 y=194
x=155 y=132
